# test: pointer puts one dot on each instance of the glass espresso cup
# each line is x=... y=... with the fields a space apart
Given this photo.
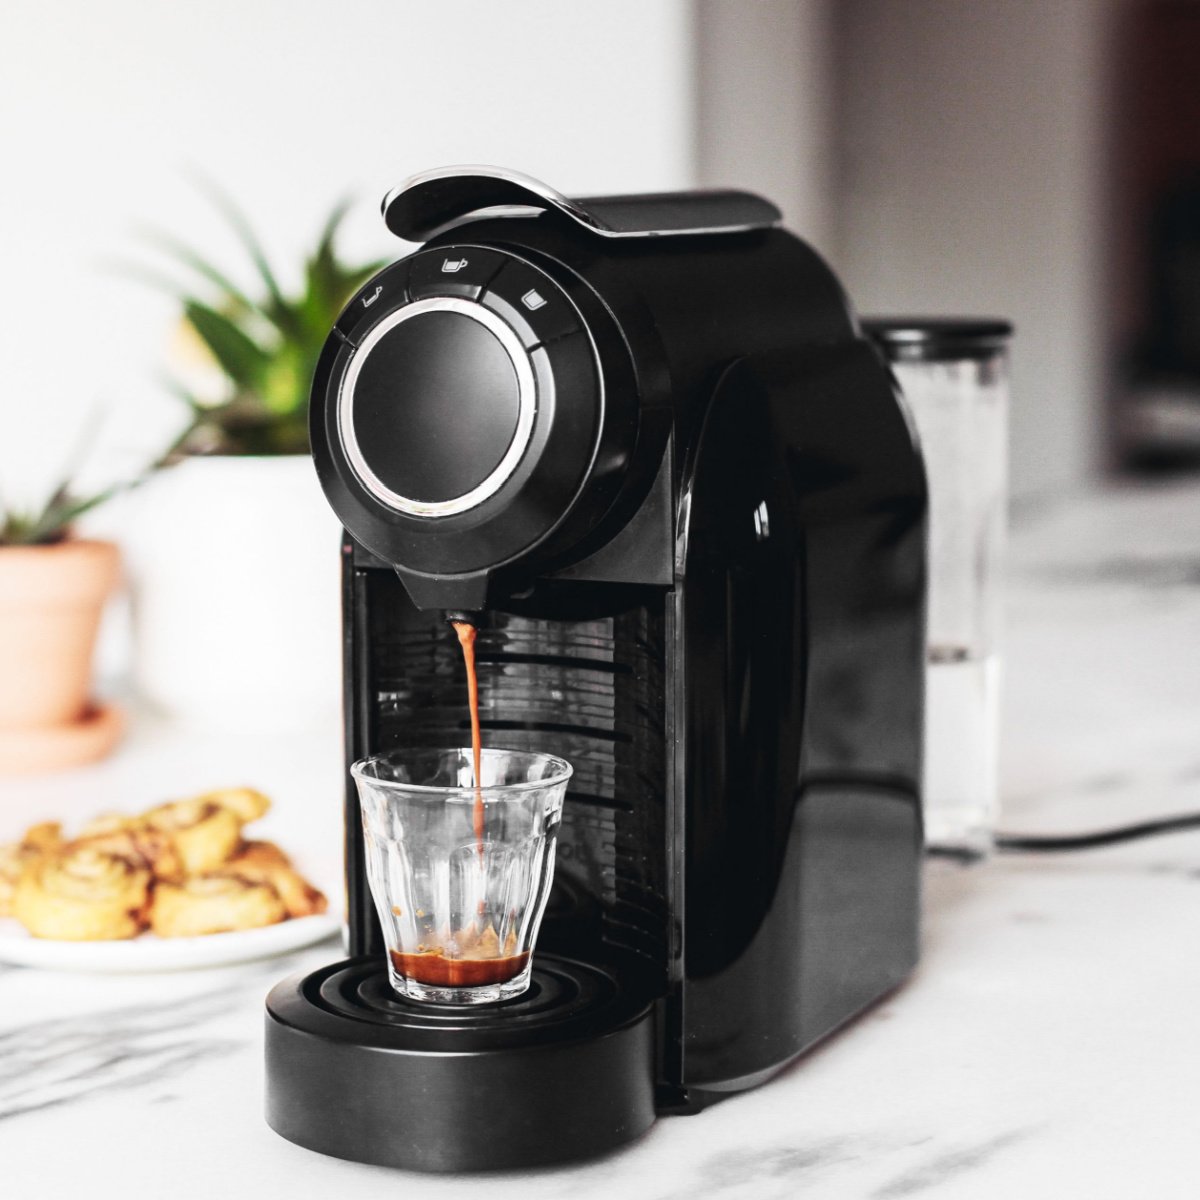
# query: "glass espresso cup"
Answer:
x=460 y=874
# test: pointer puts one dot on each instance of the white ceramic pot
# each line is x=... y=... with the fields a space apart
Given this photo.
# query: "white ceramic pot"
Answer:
x=234 y=569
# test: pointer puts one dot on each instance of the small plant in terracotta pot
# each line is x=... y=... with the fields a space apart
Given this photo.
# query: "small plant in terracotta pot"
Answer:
x=53 y=588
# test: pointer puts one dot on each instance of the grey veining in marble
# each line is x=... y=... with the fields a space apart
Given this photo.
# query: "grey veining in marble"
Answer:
x=949 y=1166
x=48 y=1063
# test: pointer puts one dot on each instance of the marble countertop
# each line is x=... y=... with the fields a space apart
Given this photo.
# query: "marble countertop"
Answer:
x=1047 y=1046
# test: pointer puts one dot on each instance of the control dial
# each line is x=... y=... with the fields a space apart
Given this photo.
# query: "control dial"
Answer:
x=437 y=407
x=461 y=416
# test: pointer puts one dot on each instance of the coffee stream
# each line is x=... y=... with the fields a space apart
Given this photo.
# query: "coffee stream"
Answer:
x=466 y=639
x=480 y=959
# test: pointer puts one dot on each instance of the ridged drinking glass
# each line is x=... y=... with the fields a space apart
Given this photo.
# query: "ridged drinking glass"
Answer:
x=460 y=874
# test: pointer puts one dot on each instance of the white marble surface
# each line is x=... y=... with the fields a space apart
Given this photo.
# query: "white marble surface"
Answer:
x=1048 y=1045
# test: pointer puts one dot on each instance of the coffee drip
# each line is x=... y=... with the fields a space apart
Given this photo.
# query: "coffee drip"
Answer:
x=466 y=632
x=473 y=956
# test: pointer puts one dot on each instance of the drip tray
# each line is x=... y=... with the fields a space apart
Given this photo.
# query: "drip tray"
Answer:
x=565 y=1000
x=564 y=1071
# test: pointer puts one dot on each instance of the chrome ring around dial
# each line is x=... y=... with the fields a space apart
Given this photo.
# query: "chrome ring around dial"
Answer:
x=526 y=409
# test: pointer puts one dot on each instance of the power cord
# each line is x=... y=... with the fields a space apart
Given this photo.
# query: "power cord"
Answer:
x=1018 y=843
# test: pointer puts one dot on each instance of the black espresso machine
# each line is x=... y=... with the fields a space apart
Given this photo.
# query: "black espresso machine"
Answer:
x=643 y=442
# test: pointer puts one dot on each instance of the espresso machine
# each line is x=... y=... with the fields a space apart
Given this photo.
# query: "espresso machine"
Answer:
x=642 y=443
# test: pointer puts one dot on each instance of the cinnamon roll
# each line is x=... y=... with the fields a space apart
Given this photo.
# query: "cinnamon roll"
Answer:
x=37 y=841
x=81 y=893
x=264 y=862
x=202 y=833
x=137 y=840
x=213 y=903
x=245 y=803
x=108 y=822
x=43 y=838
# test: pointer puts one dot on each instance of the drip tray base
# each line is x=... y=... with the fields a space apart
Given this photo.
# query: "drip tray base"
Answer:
x=565 y=1071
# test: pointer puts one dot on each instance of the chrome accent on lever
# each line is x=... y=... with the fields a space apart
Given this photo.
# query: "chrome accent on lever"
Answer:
x=433 y=202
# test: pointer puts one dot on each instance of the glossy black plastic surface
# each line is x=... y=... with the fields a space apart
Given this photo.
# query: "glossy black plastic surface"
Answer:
x=453 y=273
x=801 y=620
x=356 y=1072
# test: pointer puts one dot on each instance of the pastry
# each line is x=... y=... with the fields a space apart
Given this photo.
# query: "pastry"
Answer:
x=43 y=838
x=245 y=803
x=213 y=903
x=11 y=865
x=264 y=862
x=181 y=869
x=109 y=822
x=203 y=834
x=14 y=857
x=135 y=839
x=82 y=893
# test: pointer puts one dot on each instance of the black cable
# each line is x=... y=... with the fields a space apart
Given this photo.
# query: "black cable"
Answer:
x=1019 y=843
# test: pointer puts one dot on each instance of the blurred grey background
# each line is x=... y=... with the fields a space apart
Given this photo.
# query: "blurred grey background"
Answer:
x=1009 y=157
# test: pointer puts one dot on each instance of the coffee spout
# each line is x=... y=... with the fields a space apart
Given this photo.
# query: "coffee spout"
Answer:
x=463 y=616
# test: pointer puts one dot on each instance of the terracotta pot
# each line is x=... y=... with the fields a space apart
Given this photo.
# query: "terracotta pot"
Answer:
x=51 y=599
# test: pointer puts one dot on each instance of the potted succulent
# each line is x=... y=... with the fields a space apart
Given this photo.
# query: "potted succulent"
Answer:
x=53 y=588
x=233 y=553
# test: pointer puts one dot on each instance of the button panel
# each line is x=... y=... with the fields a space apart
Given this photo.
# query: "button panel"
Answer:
x=531 y=303
x=452 y=271
x=378 y=296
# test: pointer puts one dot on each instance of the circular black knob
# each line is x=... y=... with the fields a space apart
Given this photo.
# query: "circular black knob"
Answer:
x=473 y=414
x=437 y=407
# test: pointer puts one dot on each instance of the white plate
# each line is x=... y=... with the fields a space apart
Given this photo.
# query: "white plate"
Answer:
x=150 y=953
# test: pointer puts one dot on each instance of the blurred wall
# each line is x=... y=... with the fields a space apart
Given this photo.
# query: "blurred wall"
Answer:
x=946 y=155
x=970 y=179
x=764 y=106
x=108 y=107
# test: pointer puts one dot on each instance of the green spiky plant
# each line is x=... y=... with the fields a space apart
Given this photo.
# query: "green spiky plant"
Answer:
x=266 y=346
x=51 y=521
